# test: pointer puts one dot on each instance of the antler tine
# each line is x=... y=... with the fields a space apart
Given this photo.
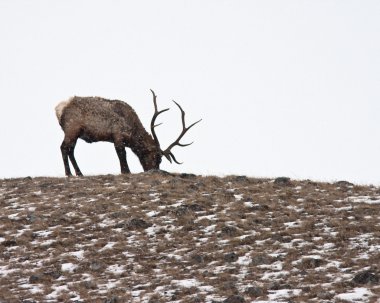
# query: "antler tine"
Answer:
x=155 y=115
x=174 y=159
x=167 y=152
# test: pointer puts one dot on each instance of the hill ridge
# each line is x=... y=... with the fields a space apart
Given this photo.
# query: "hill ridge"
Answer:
x=164 y=237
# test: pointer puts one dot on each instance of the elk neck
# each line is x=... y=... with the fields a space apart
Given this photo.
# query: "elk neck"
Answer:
x=142 y=144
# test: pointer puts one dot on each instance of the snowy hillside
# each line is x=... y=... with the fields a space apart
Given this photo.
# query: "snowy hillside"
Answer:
x=159 y=237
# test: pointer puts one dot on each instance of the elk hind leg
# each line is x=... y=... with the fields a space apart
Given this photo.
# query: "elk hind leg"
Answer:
x=65 y=157
x=67 y=149
x=73 y=161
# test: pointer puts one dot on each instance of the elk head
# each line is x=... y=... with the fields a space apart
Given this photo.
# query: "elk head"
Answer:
x=167 y=152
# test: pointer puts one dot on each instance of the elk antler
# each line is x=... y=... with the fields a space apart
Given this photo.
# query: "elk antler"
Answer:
x=156 y=113
x=167 y=153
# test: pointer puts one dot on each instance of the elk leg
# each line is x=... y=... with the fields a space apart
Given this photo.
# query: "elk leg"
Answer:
x=65 y=153
x=120 y=150
x=73 y=161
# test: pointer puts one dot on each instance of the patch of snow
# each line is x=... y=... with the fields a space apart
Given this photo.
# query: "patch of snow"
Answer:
x=11 y=200
x=186 y=283
x=33 y=289
x=274 y=275
x=312 y=257
x=333 y=263
x=108 y=246
x=364 y=199
x=179 y=203
x=244 y=260
x=106 y=223
x=358 y=294
x=253 y=233
x=43 y=243
x=223 y=242
x=209 y=228
x=363 y=241
x=277 y=266
x=4 y=271
x=131 y=239
x=295 y=242
x=13 y=217
x=344 y=208
x=220 y=269
x=69 y=267
x=43 y=233
x=208 y=217
x=74 y=297
x=87 y=277
x=136 y=293
x=206 y=288
x=202 y=240
x=57 y=291
x=292 y=224
x=152 y=230
x=277 y=254
x=260 y=242
x=296 y=208
x=152 y=213
x=174 y=256
x=165 y=292
x=78 y=254
x=116 y=269
x=155 y=196
x=328 y=245
x=107 y=184
x=111 y=284
x=128 y=254
x=249 y=204
x=364 y=255
x=283 y=294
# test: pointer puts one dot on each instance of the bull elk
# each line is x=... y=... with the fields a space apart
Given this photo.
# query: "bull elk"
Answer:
x=94 y=119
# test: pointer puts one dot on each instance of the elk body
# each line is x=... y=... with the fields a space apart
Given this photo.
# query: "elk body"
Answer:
x=96 y=119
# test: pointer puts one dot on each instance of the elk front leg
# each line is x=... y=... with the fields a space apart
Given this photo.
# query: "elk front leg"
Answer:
x=121 y=153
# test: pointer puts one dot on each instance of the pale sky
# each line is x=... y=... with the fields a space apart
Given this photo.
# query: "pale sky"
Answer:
x=284 y=88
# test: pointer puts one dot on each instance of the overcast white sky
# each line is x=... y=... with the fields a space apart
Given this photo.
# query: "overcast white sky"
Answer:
x=284 y=88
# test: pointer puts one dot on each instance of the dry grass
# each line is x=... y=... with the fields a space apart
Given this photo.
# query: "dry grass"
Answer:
x=158 y=237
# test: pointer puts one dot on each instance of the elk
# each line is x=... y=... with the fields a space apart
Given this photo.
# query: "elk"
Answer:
x=94 y=119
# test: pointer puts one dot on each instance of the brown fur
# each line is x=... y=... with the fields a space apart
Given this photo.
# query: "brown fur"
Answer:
x=96 y=119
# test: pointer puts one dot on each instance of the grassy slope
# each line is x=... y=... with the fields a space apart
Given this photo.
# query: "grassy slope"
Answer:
x=158 y=237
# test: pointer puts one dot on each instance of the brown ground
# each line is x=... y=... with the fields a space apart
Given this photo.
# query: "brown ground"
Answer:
x=159 y=237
